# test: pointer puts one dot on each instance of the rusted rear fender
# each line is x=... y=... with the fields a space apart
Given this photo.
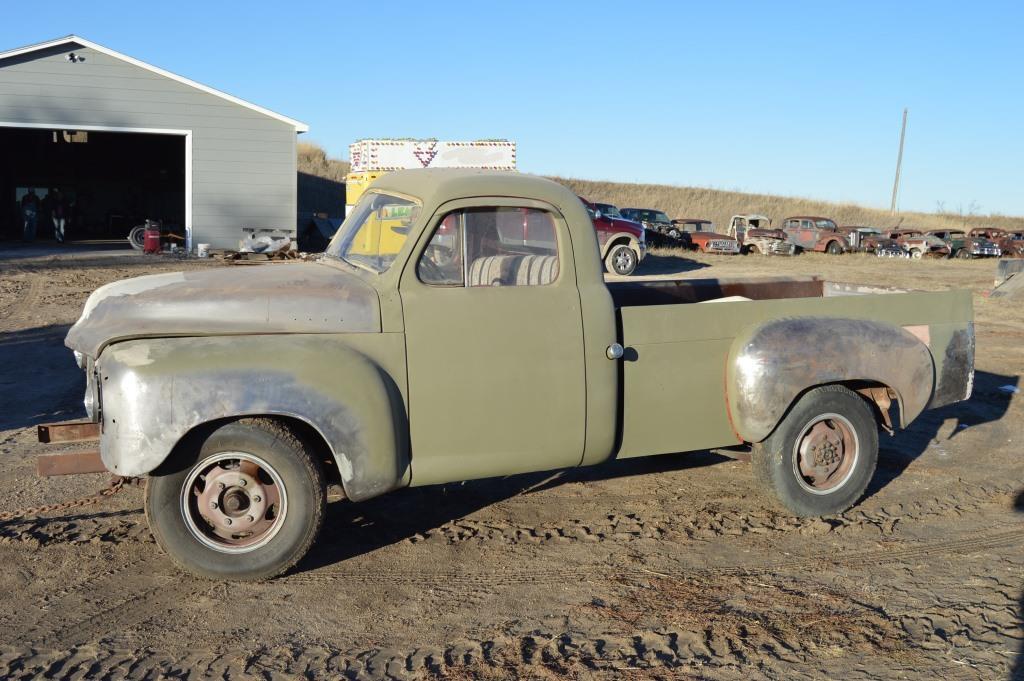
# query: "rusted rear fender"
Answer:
x=156 y=391
x=771 y=364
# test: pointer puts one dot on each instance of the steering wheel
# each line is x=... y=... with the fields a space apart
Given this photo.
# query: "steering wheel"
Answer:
x=435 y=265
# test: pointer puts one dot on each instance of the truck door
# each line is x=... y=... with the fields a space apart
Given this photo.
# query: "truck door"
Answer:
x=494 y=343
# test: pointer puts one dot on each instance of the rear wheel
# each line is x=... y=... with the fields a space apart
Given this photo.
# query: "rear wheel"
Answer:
x=246 y=502
x=821 y=456
x=137 y=237
x=621 y=260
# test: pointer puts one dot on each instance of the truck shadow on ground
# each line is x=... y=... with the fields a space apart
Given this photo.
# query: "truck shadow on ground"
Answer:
x=667 y=264
x=355 y=529
x=934 y=433
x=39 y=381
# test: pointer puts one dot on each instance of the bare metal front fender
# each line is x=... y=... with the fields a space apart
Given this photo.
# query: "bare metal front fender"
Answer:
x=771 y=364
x=155 y=391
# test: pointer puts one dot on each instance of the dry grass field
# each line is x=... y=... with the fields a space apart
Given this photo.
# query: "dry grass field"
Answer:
x=719 y=206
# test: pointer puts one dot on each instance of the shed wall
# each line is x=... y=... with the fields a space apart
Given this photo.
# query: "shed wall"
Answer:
x=243 y=162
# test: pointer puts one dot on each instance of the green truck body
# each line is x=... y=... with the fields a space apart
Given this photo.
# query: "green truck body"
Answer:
x=412 y=367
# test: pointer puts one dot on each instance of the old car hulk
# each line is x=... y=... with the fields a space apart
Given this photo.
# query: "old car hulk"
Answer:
x=439 y=340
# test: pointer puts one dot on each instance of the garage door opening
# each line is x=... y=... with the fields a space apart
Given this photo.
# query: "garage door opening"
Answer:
x=104 y=183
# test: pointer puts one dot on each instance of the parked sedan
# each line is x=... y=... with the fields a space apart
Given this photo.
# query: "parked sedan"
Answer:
x=812 y=233
x=704 y=238
x=1010 y=243
x=963 y=246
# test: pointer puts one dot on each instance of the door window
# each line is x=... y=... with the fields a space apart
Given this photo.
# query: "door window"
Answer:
x=493 y=246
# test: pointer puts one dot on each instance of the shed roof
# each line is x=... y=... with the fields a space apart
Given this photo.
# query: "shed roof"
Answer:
x=77 y=40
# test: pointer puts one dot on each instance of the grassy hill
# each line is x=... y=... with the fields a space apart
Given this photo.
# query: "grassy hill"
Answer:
x=711 y=204
x=719 y=206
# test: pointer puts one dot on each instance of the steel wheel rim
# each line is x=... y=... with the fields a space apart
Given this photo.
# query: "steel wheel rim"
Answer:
x=825 y=454
x=250 y=497
x=623 y=261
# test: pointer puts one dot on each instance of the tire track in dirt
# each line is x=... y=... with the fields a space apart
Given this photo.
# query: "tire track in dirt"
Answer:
x=599 y=572
x=712 y=521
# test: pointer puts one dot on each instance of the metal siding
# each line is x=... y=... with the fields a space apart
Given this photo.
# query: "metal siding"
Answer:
x=243 y=162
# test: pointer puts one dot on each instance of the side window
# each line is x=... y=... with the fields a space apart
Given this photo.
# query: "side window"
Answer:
x=806 y=224
x=494 y=246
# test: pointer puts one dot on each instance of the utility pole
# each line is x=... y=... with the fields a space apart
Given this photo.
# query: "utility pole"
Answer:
x=899 y=164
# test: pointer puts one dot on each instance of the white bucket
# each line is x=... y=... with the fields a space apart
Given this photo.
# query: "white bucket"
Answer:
x=202 y=250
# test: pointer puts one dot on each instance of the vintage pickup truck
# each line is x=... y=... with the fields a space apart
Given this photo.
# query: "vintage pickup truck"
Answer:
x=433 y=343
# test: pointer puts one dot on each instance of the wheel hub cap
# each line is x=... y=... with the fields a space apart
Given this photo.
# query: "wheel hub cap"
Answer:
x=826 y=453
x=233 y=503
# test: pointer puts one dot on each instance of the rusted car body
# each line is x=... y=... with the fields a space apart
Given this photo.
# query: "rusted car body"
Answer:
x=755 y=234
x=963 y=246
x=704 y=238
x=919 y=244
x=872 y=240
x=457 y=349
x=814 y=233
x=1011 y=243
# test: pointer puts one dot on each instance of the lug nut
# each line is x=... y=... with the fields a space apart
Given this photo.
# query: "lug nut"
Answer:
x=241 y=481
x=220 y=485
x=257 y=498
x=213 y=504
x=227 y=521
x=250 y=518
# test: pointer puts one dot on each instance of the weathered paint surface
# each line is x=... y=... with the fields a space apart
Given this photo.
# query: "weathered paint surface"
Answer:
x=155 y=391
x=300 y=298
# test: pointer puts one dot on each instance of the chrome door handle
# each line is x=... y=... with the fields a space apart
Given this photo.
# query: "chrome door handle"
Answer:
x=614 y=351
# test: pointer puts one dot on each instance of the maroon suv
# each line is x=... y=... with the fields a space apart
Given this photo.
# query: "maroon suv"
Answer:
x=622 y=241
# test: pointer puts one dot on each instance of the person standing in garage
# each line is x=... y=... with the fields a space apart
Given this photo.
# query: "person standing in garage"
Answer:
x=29 y=213
x=58 y=214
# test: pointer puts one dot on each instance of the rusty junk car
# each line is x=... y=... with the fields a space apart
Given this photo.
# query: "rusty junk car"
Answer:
x=703 y=237
x=1011 y=243
x=811 y=233
x=434 y=343
x=873 y=240
x=755 y=234
x=919 y=244
x=963 y=246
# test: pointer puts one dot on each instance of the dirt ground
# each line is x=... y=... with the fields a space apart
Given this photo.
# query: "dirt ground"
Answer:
x=668 y=567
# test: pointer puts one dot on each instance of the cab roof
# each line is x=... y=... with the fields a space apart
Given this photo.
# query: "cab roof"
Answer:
x=434 y=186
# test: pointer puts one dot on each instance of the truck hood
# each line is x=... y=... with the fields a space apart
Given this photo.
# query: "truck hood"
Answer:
x=293 y=298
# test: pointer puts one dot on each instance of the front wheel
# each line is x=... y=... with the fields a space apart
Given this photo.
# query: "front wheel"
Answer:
x=820 y=458
x=834 y=248
x=137 y=237
x=963 y=254
x=246 y=502
x=621 y=260
x=674 y=233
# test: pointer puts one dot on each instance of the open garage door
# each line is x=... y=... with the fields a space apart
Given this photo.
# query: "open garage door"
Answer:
x=102 y=182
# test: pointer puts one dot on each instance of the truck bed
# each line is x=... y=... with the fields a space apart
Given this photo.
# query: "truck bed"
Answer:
x=674 y=376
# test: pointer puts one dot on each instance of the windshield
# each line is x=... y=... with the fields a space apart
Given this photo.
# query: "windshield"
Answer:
x=608 y=210
x=374 y=232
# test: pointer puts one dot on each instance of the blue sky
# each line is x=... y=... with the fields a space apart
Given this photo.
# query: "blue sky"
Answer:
x=799 y=98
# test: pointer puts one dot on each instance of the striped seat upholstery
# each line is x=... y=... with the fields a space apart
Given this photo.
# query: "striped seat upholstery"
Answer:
x=514 y=270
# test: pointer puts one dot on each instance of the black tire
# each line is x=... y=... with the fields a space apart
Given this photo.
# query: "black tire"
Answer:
x=137 y=237
x=299 y=487
x=963 y=254
x=621 y=260
x=776 y=461
x=834 y=248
